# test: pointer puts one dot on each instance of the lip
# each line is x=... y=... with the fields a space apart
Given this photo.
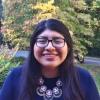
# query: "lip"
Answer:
x=50 y=56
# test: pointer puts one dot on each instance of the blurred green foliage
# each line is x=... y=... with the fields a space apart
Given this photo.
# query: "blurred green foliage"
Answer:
x=82 y=17
x=7 y=61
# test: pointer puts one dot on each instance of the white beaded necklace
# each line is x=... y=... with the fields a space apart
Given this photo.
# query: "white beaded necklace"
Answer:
x=49 y=94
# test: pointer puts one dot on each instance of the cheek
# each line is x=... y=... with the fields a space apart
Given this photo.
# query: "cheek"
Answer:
x=64 y=52
x=37 y=52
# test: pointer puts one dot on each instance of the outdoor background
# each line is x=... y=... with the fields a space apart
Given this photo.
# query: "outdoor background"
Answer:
x=19 y=17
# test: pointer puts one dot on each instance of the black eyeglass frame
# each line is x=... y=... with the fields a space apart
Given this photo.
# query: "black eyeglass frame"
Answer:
x=48 y=40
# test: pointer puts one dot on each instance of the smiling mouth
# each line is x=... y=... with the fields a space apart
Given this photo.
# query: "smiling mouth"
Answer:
x=50 y=55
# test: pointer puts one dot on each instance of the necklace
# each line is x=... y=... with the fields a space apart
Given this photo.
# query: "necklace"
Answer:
x=49 y=94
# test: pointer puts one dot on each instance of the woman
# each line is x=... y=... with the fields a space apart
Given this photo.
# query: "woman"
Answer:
x=49 y=72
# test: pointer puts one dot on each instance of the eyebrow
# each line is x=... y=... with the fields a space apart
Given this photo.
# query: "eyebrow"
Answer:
x=52 y=37
x=42 y=37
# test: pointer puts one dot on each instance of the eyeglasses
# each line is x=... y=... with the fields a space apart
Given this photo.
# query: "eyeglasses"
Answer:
x=56 y=42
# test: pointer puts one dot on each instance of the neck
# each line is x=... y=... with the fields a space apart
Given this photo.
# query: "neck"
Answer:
x=49 y=73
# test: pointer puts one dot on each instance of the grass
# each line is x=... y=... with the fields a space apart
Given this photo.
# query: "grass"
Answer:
x=95 y=72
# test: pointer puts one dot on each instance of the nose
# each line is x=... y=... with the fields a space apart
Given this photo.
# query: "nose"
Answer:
x=50 y=46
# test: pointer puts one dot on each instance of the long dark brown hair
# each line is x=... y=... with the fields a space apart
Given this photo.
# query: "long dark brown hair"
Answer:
x=32 y=71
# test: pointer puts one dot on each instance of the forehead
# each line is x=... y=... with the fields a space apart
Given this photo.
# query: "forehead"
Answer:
x=50 y=33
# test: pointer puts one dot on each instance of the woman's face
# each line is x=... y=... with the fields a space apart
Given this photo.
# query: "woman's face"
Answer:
x=50 y=56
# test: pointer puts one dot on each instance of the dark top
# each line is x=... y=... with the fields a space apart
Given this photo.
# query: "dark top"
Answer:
x=10 y=88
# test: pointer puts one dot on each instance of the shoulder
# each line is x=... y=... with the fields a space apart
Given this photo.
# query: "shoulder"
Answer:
x=11 y=84
x=87 y=83
x=16 y=71
x=13 y=76
x=84 y=76
x=82 y=72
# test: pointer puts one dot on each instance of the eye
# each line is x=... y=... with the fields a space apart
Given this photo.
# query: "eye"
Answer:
x=58 y=40
x=41 y=40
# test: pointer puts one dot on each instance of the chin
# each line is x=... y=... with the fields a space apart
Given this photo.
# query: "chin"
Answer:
x=50 y=66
